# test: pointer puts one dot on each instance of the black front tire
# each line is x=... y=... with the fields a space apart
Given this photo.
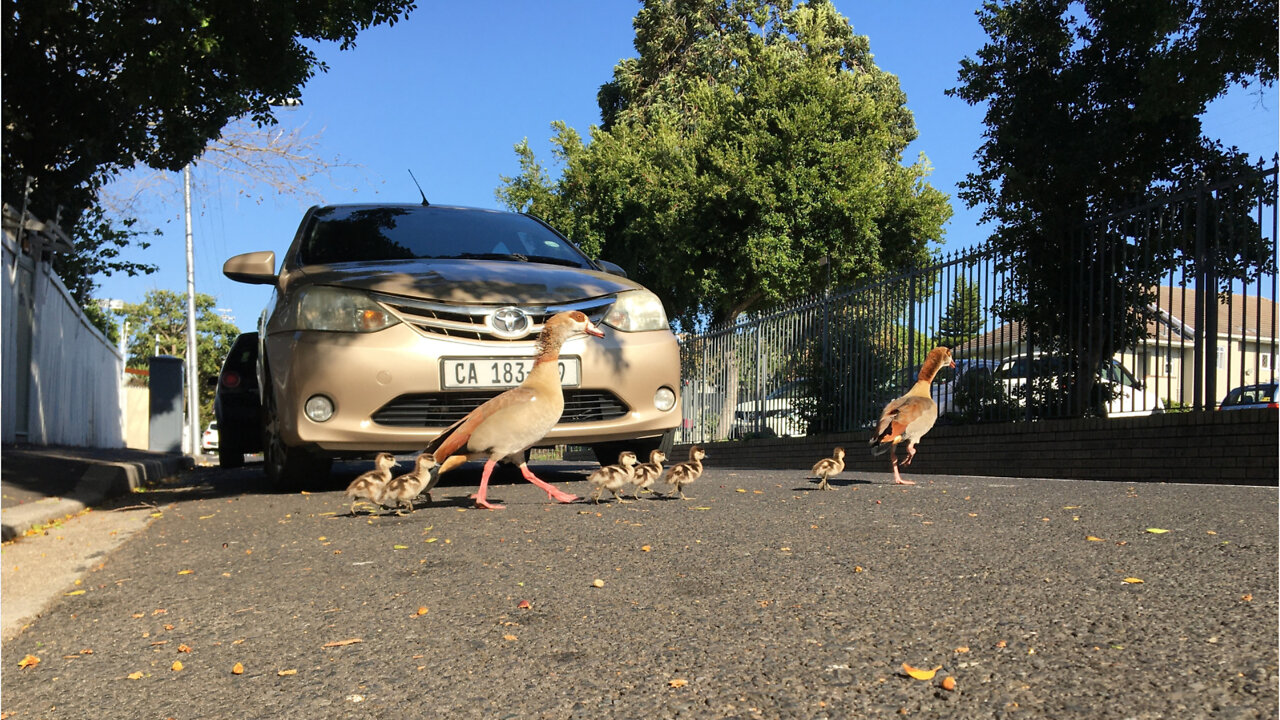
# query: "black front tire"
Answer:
x=289 y=468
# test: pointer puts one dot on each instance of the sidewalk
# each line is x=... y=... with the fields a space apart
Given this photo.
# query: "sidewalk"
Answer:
x=41 y=483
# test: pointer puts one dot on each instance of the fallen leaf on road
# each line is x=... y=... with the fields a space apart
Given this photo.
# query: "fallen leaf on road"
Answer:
x=185 y=572
x=237 y=669
x=700 y=508
x=963 y=649
x=1157 y=531
x=340 y=643
x=134 y=676
x=184 y=648
x=177 y=666
x=1133 y=580
x=283 y=673
x=1247 y=598
x=29 y=661
x=400 y=547
x=597 y=583
x=645 y=548
x=678 y=682
x=1070 y=507
x=918 y=673
x=1091 y=538
x=509 y=638
x=74 y=592
x=422 y=610
x=948 y=683
x=525 y=605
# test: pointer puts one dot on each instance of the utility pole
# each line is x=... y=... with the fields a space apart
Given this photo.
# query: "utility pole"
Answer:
x=193 y=384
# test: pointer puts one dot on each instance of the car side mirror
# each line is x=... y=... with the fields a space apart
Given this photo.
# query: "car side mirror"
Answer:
x=255 y=268
x=611 y=268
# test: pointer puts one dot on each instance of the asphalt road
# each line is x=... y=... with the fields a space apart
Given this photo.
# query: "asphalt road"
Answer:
x=759 y=597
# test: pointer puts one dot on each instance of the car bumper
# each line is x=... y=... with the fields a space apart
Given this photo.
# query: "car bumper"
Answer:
x=362 y=374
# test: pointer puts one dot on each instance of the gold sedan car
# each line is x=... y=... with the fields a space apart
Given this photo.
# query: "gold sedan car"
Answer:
x=389 y=322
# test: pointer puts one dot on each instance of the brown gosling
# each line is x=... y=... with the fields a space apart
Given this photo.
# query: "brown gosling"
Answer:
x=614 y=477
x=686 y=472
x=402 y=489
x=826 y=468
x=369 y=485
x=648 y=473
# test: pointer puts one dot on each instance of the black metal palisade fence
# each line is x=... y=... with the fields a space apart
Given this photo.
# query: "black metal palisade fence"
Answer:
x=1166 y=306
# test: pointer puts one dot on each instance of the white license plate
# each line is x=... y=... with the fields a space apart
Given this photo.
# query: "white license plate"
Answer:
x=500 y=372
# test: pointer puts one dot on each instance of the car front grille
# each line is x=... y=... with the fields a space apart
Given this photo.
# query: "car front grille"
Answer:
x=469 y=322
x=442 y=409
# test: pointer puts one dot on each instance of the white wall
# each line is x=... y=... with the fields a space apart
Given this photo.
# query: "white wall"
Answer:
x=74 y=370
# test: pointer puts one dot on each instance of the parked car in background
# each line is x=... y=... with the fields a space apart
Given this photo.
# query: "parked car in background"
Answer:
x=1249 y=397
x=209 y=440
x=948 y=383
x=390 y=322
x=1129 y=397
x=776 y=415
x=236 y=403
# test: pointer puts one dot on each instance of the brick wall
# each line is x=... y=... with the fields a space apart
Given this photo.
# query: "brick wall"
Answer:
x=1235 y=447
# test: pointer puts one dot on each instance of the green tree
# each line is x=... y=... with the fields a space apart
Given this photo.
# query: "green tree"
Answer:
x=158 y=326
x=1091 y=106
x=747 y=141
x=963 y=319
x=99 y=86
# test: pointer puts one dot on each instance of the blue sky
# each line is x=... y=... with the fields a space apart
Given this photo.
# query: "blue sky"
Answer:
x=448 y=93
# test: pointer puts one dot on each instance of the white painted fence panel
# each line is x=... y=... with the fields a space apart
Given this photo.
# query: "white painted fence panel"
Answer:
x=73 y=395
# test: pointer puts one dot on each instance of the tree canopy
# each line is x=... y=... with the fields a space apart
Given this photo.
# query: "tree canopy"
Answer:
x=158 y=326
x=97 y=86
x=747 y=141
x=1092 y=106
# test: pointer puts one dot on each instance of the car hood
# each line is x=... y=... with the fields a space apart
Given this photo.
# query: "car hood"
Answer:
x=470 y=281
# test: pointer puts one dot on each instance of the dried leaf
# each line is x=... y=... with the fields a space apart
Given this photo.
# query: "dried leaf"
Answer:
x=509 y=637
x=422 y=610
x=340 y=643
x=1133 y=580
x=237 y=669
x=963 y=649
x=184 y=649
x=134 y=676
x=283 y=673
x=919 y=674
x=177 y=666
x=29 y=661
x=185 y=572
x=597 y=583
x=400 y=547
x=1091 y=538
x=645 y=548
x=1157 y=531
x=948 y=683
x=1247 y=598
x=74 y=592
x=678 y=682
x=524 y=605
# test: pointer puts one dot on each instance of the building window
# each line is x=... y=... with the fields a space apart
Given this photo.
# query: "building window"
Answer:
x=1222 y=357
x=1264 y=360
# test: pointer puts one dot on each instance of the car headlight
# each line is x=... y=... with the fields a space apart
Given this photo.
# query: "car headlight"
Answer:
x=637 y=311
x=340 y=310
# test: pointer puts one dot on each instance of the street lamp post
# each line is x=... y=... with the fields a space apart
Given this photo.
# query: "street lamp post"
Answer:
x=193 y=384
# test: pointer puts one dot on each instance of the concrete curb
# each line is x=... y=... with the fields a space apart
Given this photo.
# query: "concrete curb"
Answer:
x=99 y=479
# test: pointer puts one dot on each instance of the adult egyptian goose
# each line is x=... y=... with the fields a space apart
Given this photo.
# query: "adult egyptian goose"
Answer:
x=506 y=426
x=910 y=416
x=644 y=475
x=686 y=472
x=369 y=485
x=826 y=468
x=614 y=477
x=402 y=489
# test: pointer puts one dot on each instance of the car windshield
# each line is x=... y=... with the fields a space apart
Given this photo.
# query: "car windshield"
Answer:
x=1250 y=395
x=343 y=234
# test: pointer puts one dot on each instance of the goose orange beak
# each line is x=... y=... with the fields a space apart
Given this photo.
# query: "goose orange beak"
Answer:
x=592 y=330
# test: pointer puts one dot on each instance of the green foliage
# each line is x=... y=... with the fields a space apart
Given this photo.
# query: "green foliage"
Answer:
x=99 y=243
x=158 y=325
x=99 y=86
x=963 y=319
x=1091 y=107
x=746 y=142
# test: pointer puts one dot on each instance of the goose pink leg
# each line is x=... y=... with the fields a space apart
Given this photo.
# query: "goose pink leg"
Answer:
x=897 y=479
x=552 y=492
x=484 y=488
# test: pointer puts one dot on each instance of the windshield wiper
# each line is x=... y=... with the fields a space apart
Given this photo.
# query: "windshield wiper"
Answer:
x=514 y=257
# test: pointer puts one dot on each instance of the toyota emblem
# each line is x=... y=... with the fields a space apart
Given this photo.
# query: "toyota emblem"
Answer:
x=510 y=323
